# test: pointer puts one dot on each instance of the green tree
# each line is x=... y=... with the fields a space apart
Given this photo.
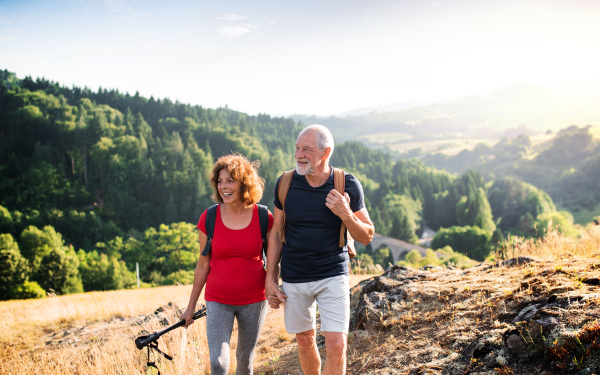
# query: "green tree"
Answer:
x=58 y=270
x=180 y=242
x=13 y=268
x=36 y=243
x=471 y=241
x=383 y=257
x=561 y=221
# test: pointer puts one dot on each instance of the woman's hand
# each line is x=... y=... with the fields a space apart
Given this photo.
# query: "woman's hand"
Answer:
x=275 y=296
x=187 y=316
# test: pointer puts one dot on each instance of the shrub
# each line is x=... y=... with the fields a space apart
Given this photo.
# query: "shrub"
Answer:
x=444 y=257
x=27 y=290
x=182 y=277
x=471 y=241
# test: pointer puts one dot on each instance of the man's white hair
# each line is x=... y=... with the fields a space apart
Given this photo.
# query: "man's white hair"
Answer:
x=324 y=137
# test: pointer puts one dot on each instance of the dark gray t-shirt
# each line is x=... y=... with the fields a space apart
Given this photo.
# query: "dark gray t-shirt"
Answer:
x=311 y=250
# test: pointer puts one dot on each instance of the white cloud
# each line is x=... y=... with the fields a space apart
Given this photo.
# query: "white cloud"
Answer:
x=153 y=43
x=232 y=31
x=272 y=22
x=231 y=17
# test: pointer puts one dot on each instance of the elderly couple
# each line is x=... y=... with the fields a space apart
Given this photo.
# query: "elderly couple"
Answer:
x=314 y=259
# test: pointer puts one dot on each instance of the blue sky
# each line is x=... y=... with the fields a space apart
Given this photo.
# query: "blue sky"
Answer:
x=312 y=57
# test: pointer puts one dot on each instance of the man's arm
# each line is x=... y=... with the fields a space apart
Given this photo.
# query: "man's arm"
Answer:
x=274 y=248
x=358 y=223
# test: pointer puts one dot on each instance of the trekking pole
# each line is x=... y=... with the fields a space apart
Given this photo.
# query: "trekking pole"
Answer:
x=151 y=342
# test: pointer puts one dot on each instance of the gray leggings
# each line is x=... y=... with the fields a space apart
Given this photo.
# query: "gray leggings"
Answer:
x=219 y=326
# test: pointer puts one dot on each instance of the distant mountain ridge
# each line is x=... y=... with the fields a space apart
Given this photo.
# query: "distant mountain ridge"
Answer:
x=512 y=106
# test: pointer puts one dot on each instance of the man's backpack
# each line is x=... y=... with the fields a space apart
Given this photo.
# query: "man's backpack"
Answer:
x=339 y=183
x=211 y=218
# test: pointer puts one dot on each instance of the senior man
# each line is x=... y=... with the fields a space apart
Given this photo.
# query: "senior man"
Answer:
x=314 y=267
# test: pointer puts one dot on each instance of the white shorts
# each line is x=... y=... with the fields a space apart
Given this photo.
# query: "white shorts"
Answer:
x=332 y=295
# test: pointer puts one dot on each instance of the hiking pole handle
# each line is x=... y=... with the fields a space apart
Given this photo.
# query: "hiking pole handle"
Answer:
x=143 y=341
x=197 y=315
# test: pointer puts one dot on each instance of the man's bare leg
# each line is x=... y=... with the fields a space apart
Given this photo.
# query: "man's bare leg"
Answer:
x=335 y=345
x=308 y=352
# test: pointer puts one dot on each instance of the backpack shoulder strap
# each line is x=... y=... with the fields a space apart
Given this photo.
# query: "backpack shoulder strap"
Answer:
x=211 y=218
x=339 y=184
x=263 y=218
x=284 y=187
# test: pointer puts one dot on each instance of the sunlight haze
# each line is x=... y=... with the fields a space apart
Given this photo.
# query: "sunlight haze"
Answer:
x=305 y=57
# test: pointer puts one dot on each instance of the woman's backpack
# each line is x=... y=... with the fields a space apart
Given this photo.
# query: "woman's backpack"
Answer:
x=211 y=218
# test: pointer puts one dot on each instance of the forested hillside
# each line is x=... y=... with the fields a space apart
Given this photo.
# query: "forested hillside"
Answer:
x=92 y=183
x=94 y=170
x=568 y=168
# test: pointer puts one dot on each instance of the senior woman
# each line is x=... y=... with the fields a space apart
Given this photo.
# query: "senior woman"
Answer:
x=233 y=270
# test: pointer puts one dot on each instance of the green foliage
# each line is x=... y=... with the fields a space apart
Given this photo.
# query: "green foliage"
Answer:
x=471 y=241
x=119 y=176
x=101 y=272
x=180 y=242
x=365 y=258
x=441 y=257
x=13 y=268
x=561 y=221
x=383 y=257
x=27 y=290
x=181 y=277
x=475 y=210
x=36 y=243
x=568 y=168
x=58 y=271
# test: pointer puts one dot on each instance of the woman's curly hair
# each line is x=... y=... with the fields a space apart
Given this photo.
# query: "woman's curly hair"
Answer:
x=242 y=170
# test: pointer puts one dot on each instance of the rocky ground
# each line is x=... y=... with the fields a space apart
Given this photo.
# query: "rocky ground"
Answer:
x=522 y=316
x=99 y=331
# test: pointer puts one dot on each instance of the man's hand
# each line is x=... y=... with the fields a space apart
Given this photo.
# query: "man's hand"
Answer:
x=275 y=296
x=339 y=204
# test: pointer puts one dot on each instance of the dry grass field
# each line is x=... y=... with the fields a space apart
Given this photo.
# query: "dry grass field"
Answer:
x=93 y=333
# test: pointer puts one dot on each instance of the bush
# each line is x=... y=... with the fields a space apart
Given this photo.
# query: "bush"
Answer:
x=182 y=277
x=471 y=241
x=13 y=267
x=444 y=257
x=562 y=221
x=27 y=290
x=101 y=272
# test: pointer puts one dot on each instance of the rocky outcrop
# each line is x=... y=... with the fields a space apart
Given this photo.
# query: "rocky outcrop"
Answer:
x=519 y=316
x=97 y=332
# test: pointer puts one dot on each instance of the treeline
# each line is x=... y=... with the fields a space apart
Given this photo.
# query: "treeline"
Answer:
x=98 y=167
x=568 y=167
x=92 y=183
x=471 y=215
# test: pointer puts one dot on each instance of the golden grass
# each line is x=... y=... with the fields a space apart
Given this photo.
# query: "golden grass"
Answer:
x=555 y=246
x=107 y=344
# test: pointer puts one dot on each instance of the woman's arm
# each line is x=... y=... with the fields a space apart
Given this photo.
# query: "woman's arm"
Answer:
x=202 y=269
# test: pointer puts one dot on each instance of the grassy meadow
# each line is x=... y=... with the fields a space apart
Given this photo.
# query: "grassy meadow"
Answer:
x=31 y=332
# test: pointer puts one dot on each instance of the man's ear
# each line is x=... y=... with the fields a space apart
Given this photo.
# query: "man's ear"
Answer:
x=327 y=153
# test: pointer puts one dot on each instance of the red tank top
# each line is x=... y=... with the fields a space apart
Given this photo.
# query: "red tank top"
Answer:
x=237 y=275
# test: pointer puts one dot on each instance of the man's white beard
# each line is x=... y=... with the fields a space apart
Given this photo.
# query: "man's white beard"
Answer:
x=303 y=170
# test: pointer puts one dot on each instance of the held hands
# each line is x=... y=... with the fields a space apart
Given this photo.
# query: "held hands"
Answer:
x=275 y=296
x=338 y=204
